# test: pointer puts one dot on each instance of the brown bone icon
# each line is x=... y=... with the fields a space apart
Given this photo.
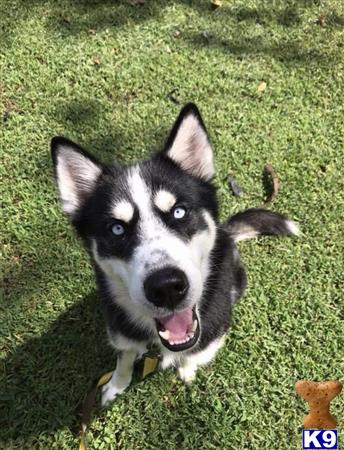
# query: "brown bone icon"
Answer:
x=319 y=395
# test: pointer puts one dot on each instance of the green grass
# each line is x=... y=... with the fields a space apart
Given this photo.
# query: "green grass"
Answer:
x=99 y=72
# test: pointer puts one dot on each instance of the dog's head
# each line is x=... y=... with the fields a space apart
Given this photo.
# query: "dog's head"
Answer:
x=150 y=227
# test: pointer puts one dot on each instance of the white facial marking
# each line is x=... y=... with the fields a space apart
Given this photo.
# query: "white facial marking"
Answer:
x=158 y=247
x=191 y=148
x=164 y=200
x=118 y=281
x=123 y=211
x=202 y=243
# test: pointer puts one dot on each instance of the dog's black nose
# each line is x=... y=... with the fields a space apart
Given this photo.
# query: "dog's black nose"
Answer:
x=166 y=287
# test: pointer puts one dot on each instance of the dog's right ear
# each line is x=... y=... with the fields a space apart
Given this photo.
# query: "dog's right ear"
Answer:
x=188 y=144
x=76 y=172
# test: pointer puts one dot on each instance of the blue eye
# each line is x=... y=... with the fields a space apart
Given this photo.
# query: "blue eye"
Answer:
x=179 y=212
x=117 y=229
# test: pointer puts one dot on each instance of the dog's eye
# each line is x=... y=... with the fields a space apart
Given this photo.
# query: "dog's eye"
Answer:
x=117 y=229
x=179 y=212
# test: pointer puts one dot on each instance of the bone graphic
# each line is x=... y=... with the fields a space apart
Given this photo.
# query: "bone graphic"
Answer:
x=319 y=395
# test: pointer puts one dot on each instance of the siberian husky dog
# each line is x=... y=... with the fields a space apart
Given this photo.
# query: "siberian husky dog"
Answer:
x=168 y=273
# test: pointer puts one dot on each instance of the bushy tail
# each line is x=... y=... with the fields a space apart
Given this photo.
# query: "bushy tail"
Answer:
x=257 y=222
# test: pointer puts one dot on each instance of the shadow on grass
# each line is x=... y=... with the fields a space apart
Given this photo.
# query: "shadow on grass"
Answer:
x=72 y=17
x=47 y=377
x=287 y=51
x=287 y=16
x=31 y=272
x=66 y=18
x=82 y=116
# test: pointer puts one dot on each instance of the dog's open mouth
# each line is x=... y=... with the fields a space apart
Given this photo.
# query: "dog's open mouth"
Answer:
x=179 y=330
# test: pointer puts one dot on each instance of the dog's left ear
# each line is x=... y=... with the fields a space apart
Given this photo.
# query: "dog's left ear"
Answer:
x=188 y=144
x=76 y=173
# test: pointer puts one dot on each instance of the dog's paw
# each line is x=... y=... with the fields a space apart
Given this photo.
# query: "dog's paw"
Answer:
x=187 y=374
x=110 y=391
x=109 y=394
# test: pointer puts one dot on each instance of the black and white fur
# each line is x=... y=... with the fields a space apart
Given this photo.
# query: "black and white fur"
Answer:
x=160 y=256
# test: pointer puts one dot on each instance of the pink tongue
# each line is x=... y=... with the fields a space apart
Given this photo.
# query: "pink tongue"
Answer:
x=178 y=323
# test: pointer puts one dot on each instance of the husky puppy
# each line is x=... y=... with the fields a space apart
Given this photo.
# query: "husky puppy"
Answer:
x=168 y=273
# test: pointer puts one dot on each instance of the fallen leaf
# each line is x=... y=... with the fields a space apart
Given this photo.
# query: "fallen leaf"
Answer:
x=321 y=20
x=205 y=35
x=96 y=61
x=136 y=2
x=5 y=116
x=216 y=4
x=65 y=19
x=261 y=87
x=170 y=96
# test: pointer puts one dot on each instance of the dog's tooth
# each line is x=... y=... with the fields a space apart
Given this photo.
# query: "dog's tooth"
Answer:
x=165 y=334
x=178 y=342
x=194 y=326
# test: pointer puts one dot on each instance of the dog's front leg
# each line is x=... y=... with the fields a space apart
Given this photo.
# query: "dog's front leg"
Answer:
x=187 y=370
x=121 y=377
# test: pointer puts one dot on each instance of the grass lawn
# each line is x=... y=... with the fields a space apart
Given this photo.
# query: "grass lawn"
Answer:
x=100 y=72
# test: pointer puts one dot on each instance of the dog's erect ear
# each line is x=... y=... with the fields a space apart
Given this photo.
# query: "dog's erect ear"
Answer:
x=188 y=144
x=75 y=171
